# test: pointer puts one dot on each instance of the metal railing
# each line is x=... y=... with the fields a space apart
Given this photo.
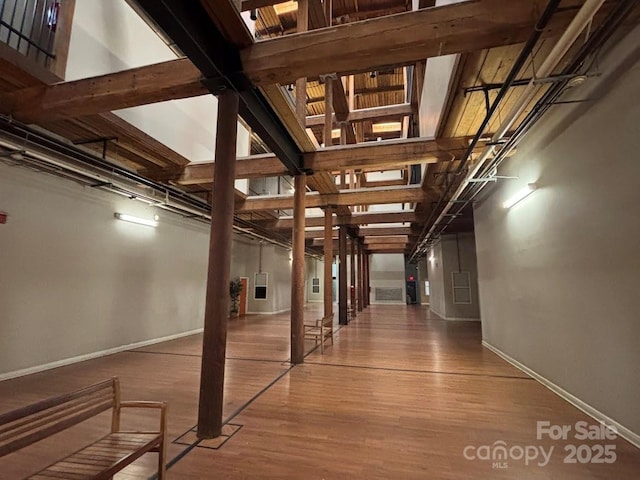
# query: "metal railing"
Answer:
x=29 y=26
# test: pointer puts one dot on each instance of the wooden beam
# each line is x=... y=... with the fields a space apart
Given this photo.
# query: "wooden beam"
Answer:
x=317 y=17
x=301 y=83
x=253 y=4
x=387 y=153
x=373 y=218
x=365 y=91
x=255 y=166
x=364 y=114
x=377 y=196
x=226 y=17
x=377 y=247
x=385 y=231
x=415 y=36
x=403 y=239
x=327 y=135
x=138 y=86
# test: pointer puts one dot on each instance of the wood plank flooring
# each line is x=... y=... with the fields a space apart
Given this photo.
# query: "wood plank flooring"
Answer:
x=399 y=396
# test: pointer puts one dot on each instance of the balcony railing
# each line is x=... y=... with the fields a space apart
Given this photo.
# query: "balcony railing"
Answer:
x=29 y=26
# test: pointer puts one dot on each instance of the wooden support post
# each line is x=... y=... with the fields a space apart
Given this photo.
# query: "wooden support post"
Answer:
x=343 y=179
x=352 y=93
x=342 y=276
x=328 y=11
x=360 y=277
x=328 y=110
x=352 y=306
x=297 y=273
x=328 y=261
x=367 y=277
x=301 y=83
x=214 y=340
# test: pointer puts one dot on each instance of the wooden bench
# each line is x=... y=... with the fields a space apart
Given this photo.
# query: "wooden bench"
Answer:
x=102 y=458
x=320 y=331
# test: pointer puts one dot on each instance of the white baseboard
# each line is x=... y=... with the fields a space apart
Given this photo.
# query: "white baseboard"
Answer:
x=277 y=312
x=623 y=431
x=454 y=319
x=90 y=356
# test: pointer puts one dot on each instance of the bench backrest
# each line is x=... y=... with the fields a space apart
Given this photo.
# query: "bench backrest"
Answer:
x=25 y=426
x=328 y=321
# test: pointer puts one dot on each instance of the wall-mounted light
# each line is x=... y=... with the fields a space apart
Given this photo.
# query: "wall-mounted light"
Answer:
x=520 y=195
x=140 y=221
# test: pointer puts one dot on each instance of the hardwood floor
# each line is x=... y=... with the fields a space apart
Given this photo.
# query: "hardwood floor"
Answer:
x=400 y=395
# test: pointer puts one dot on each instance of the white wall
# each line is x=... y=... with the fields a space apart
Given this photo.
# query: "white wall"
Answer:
x=108 y=36
x=559 y=272
x=74 y=280
x=387 y=271
x=276 y=263
x=453 y=253
x=314 y=269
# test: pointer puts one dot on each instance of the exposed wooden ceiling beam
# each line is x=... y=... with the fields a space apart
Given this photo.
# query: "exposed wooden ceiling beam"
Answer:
x=345 y=198
x=385 y=248
x=384 y=154
x=138 y=86
x=367 y=232
x=365 y=91
x=376 y=113
x=372 y=218
x=415 y=36
x=253 y=4
x=402 y=239
x=367 y=155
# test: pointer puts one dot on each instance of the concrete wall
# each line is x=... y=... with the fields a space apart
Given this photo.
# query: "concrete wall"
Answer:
x=559 y=272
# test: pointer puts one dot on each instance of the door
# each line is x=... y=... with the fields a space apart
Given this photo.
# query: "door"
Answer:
x=412 y=294
x=243 y=296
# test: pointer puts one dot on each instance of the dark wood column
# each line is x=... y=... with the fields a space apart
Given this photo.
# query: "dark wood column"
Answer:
x=217 y=302
x=297 y=273
x=328 y=261
x=343 y=318
x=360 y=287
x=328 y=110
x=353 y=270
x=366 y=277
x=301 y=83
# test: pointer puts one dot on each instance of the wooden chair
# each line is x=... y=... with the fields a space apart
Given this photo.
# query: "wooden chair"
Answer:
x=320 y=331
x=99 y=460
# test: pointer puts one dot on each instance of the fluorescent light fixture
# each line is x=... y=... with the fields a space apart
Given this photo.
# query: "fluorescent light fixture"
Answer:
x=141 y=221
x=520 y=195
x=386 y=127
x=335 y=133
x=286 y=7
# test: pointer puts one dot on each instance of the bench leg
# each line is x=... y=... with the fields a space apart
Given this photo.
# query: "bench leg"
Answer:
x=162 y=462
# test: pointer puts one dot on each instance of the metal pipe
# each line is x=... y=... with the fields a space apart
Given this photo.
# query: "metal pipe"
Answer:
x=575 y=28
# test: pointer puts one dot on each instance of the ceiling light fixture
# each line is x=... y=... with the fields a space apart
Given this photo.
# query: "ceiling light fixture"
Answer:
x=386 y=127
x=140 y=221
x=286 y=7
x=520 y=195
